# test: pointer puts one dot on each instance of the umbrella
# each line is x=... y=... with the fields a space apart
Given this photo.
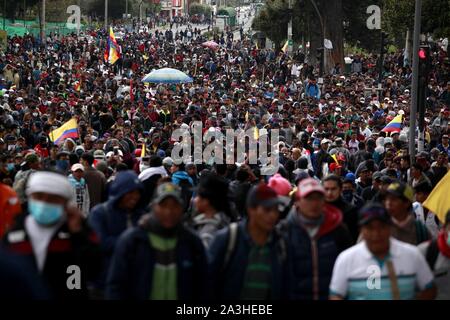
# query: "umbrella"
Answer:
x=211 y=44
x=167 y=75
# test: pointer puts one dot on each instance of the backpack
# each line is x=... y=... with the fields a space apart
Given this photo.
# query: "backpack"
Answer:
x=432 y=254
x=186 y=192
x=232 y=240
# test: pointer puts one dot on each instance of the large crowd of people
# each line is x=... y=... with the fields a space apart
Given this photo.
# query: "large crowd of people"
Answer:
x=140 y=225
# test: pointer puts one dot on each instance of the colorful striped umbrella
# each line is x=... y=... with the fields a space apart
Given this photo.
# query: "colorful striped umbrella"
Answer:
x=167 y=75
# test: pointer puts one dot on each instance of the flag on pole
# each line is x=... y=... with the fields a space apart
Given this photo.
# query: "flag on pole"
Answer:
x=394 y=125
x=335 y=158
x=256 y=133
x=438 y=201
x=144 y=149
x=112 y=48
x=67 y=130
x=285 y=47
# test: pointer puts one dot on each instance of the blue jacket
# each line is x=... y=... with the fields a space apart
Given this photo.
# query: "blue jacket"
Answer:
x=131 y=272
x=312 y=90
x=311 y=261
x=227 y=281
x=108 y=220
x=181 y=175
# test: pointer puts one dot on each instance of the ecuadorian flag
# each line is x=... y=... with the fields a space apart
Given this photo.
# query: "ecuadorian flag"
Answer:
x=67 y=130
x=394 y=125
x=112 y=48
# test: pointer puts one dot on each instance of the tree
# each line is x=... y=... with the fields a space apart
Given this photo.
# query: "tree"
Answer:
x=197 y=8
x=272 y=20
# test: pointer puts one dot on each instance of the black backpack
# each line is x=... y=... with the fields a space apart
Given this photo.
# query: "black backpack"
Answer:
x=186 y=192
x=432 y=254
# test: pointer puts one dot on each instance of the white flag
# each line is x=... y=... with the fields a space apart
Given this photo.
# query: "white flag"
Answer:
x=327 y=44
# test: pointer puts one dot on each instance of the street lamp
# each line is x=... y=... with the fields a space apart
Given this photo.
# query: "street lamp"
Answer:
x=106 y=15
x=4 y=14
x=323 y=35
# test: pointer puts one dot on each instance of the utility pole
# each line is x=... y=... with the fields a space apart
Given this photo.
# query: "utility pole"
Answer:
x=290 y=28
x=415 y=81
x=106 y=15
x=43 y=37
x=322 y=26
x=126 y=9
x=4 y=14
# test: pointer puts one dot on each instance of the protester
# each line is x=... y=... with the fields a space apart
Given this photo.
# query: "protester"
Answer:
x=161 y=259
x=437 y=254
x=398 y=202
x=401 y=267
x=211 y=203
x=120 y=212
x=80 y=188
x=51 y=235
x=247 y=258
x=314 y=236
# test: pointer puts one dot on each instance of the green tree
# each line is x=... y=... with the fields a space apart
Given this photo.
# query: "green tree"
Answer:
x=272 y=20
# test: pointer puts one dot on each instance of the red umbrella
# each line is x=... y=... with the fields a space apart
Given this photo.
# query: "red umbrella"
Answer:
x=211 y=44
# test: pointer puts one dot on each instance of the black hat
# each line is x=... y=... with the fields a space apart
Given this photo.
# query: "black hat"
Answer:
x=373 y=211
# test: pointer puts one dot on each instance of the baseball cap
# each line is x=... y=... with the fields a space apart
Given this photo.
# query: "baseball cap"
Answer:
x=32 y=158
x=324 y=141
x=167 y=190
x=401 y=190
x=371 y=212
x=308 y=186
x=77 y=166
x=262 y=195
x=99 y=154
x=386 y=179
x=376 y=175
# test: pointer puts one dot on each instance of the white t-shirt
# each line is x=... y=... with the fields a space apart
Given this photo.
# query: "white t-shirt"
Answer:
x=358 y=275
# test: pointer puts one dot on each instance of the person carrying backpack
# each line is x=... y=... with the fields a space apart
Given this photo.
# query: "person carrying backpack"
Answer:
x=437 y=254
x=161 y=259
x=247 y=258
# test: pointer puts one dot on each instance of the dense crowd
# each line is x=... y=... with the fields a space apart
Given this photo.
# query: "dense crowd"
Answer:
x=141 y=225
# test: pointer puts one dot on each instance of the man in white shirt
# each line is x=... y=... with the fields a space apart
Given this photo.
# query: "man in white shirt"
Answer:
x=381 y=267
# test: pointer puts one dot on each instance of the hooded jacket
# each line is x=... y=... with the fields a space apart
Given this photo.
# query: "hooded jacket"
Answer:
x=181 y=175
x=311 y=260
x=108 y=220
x=131 y=272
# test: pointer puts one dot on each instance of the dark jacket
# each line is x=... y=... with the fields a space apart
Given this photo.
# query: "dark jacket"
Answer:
x=65 y=249
x=109 y=221
x=350 y=216
x=18 y=281
x=310 y=261
x=227 y=281
x=131 y=272
x=96 y=182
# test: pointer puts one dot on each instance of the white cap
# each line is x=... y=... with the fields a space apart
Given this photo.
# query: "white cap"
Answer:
x=77 y=166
